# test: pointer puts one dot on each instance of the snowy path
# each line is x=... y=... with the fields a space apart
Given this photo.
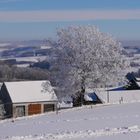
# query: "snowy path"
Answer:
x=101 y=123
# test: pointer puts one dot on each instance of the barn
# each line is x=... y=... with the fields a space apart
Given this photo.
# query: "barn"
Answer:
x=25 y=98
x=118 y=95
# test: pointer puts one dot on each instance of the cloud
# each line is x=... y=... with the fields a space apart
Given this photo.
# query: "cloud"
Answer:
x=68 y=15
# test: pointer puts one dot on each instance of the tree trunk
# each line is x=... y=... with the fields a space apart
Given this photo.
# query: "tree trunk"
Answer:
x=82 y=90
x=82 y=95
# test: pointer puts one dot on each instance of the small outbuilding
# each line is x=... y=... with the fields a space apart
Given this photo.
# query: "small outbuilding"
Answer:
x=27 y=98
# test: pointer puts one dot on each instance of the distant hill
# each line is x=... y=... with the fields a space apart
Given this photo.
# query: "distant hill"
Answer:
x=130 y=42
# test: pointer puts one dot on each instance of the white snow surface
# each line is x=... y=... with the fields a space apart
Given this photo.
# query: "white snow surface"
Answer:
x=100 y=122
x=30 y=91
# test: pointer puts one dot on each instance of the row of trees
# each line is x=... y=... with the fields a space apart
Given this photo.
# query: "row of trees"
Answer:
x=13 y=73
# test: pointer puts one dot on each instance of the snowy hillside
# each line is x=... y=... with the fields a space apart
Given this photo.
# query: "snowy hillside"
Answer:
x=86 y=123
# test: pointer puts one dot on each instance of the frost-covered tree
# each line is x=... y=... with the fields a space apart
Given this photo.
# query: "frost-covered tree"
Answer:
x=85 y=58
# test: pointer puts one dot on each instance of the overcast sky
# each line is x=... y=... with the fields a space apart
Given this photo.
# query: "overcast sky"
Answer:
x=39 y=19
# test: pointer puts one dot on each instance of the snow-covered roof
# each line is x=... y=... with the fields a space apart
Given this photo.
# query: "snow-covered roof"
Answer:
x=30 y=91
x=90 y=97
x=137 y=78
x=138 y=83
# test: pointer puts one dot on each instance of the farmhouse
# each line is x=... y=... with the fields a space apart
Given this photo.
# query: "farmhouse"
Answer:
x=27 y=98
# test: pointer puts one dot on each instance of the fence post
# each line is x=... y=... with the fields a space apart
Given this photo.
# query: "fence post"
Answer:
x=107 y=96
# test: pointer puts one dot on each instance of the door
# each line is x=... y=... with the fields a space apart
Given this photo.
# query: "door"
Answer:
x=20 y=111
x=34 y=109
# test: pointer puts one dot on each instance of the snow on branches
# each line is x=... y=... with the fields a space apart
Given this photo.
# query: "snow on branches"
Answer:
x=86 y=58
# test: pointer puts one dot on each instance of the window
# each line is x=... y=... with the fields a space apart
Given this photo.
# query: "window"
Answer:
x=48 y=107
x=20 y=111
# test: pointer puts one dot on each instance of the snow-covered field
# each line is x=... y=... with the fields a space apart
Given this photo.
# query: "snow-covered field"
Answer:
x=102 y=122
